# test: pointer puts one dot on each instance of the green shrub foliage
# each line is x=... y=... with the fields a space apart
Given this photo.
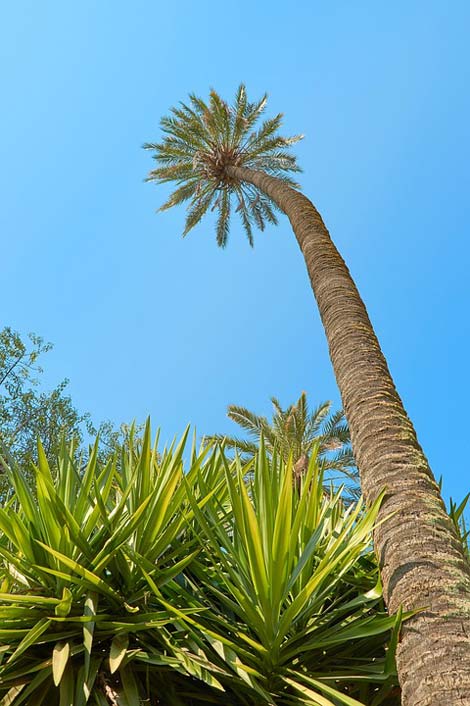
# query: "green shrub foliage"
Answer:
x=163 y=578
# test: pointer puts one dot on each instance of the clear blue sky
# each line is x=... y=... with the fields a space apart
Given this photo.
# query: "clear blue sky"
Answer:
x=146 y=323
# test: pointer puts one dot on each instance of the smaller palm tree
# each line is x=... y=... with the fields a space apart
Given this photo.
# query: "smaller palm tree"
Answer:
x=296 y=430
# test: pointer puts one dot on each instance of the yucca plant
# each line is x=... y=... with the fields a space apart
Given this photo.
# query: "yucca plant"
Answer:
x=81 y=555
x=152 y=584
x=292 y=587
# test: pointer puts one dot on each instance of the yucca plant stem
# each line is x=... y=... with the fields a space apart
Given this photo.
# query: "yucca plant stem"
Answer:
x=421 y=558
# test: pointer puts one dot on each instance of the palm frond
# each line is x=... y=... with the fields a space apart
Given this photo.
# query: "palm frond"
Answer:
x=253 y=423
x=224 y=219
x=199 y=207
x=182 y=194
x=235 y=443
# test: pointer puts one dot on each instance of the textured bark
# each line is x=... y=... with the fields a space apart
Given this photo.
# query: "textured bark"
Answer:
x=421 y=558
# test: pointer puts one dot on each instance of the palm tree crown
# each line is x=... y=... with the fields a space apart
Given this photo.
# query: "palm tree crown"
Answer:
x=297 y=431
x=202 y=141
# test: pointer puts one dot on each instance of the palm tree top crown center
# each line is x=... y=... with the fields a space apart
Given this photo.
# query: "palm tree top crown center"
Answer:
x=203 y=145
x=214 y=162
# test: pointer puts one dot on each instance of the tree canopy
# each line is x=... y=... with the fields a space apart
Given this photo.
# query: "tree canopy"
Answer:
x=28 y=412
x=201 y=139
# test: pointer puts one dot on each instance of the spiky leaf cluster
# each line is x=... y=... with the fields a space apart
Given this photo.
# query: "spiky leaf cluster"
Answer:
x=202 y=144
x=165 y=582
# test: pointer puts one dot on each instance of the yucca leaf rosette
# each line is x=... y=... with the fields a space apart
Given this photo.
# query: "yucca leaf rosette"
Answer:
x=165 y=578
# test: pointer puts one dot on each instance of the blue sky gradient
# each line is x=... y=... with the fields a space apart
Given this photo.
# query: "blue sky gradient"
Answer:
x=146 y=323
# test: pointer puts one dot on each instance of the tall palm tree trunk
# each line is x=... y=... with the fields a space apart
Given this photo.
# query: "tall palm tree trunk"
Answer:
x=421 y=558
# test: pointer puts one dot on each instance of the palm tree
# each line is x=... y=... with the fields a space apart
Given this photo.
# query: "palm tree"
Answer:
x=216 y=157
x=297 y=431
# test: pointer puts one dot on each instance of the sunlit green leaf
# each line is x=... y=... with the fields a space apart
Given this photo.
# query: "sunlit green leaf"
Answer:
x=118 y=651
x=60 y=656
